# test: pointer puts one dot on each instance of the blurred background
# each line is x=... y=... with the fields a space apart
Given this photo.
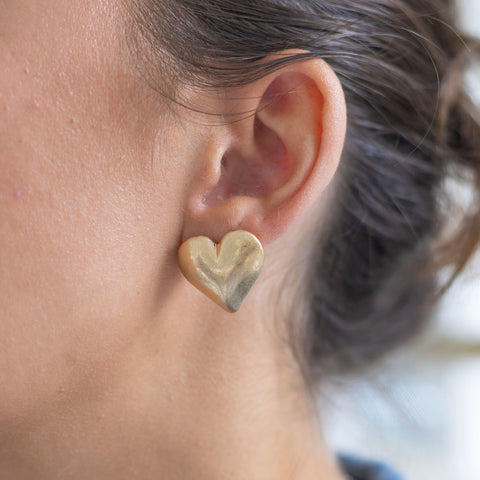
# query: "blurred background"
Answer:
x=421 y=411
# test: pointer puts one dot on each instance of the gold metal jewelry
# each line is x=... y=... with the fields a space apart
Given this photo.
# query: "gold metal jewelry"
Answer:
x=226 y=271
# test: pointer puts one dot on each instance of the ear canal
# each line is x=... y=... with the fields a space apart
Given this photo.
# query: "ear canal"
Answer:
x=258 y=173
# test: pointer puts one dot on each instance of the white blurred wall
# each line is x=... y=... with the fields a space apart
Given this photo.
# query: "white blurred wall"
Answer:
x=470 y=15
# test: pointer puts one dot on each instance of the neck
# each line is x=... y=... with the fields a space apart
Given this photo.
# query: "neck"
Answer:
x=218 y=399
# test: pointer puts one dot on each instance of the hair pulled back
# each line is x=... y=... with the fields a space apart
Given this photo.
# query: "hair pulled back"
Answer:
x=374 y=279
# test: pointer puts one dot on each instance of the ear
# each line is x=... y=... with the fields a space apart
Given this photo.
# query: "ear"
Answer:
x=265 y=170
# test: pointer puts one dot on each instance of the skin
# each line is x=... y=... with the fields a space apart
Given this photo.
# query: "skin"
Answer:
x=111 y=364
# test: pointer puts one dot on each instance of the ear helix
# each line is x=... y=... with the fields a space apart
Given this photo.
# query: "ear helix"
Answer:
x=226 y=271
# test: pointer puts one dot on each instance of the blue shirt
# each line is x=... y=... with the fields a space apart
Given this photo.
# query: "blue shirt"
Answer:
x=359 y=469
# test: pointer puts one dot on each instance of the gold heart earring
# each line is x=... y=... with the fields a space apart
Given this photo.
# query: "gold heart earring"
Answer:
x=226 y=271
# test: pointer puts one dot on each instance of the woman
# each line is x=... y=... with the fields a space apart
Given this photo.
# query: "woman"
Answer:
x=323 y=128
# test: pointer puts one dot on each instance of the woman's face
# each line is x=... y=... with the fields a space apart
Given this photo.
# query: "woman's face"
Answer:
x=85 y=198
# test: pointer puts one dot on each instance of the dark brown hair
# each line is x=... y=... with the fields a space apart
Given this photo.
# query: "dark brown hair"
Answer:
x=411 y=126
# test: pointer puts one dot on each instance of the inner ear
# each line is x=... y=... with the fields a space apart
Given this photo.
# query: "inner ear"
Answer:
x=279 y=143
x=265 y=168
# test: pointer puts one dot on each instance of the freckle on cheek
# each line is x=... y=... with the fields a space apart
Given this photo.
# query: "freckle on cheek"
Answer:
x=17 y=193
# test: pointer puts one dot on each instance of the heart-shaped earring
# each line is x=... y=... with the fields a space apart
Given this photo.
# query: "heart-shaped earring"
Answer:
x=226 y=271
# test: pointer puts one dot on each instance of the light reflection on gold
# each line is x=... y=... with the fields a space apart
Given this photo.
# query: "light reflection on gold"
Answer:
x=226 y=271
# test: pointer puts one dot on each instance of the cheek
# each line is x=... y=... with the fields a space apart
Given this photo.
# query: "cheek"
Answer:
x=78 y=266
x=70 y=274
x=80 y=243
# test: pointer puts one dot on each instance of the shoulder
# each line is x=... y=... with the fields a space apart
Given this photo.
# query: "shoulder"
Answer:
x=362 y=469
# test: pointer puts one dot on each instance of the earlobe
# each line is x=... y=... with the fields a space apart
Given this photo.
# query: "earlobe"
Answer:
x=279 y=160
